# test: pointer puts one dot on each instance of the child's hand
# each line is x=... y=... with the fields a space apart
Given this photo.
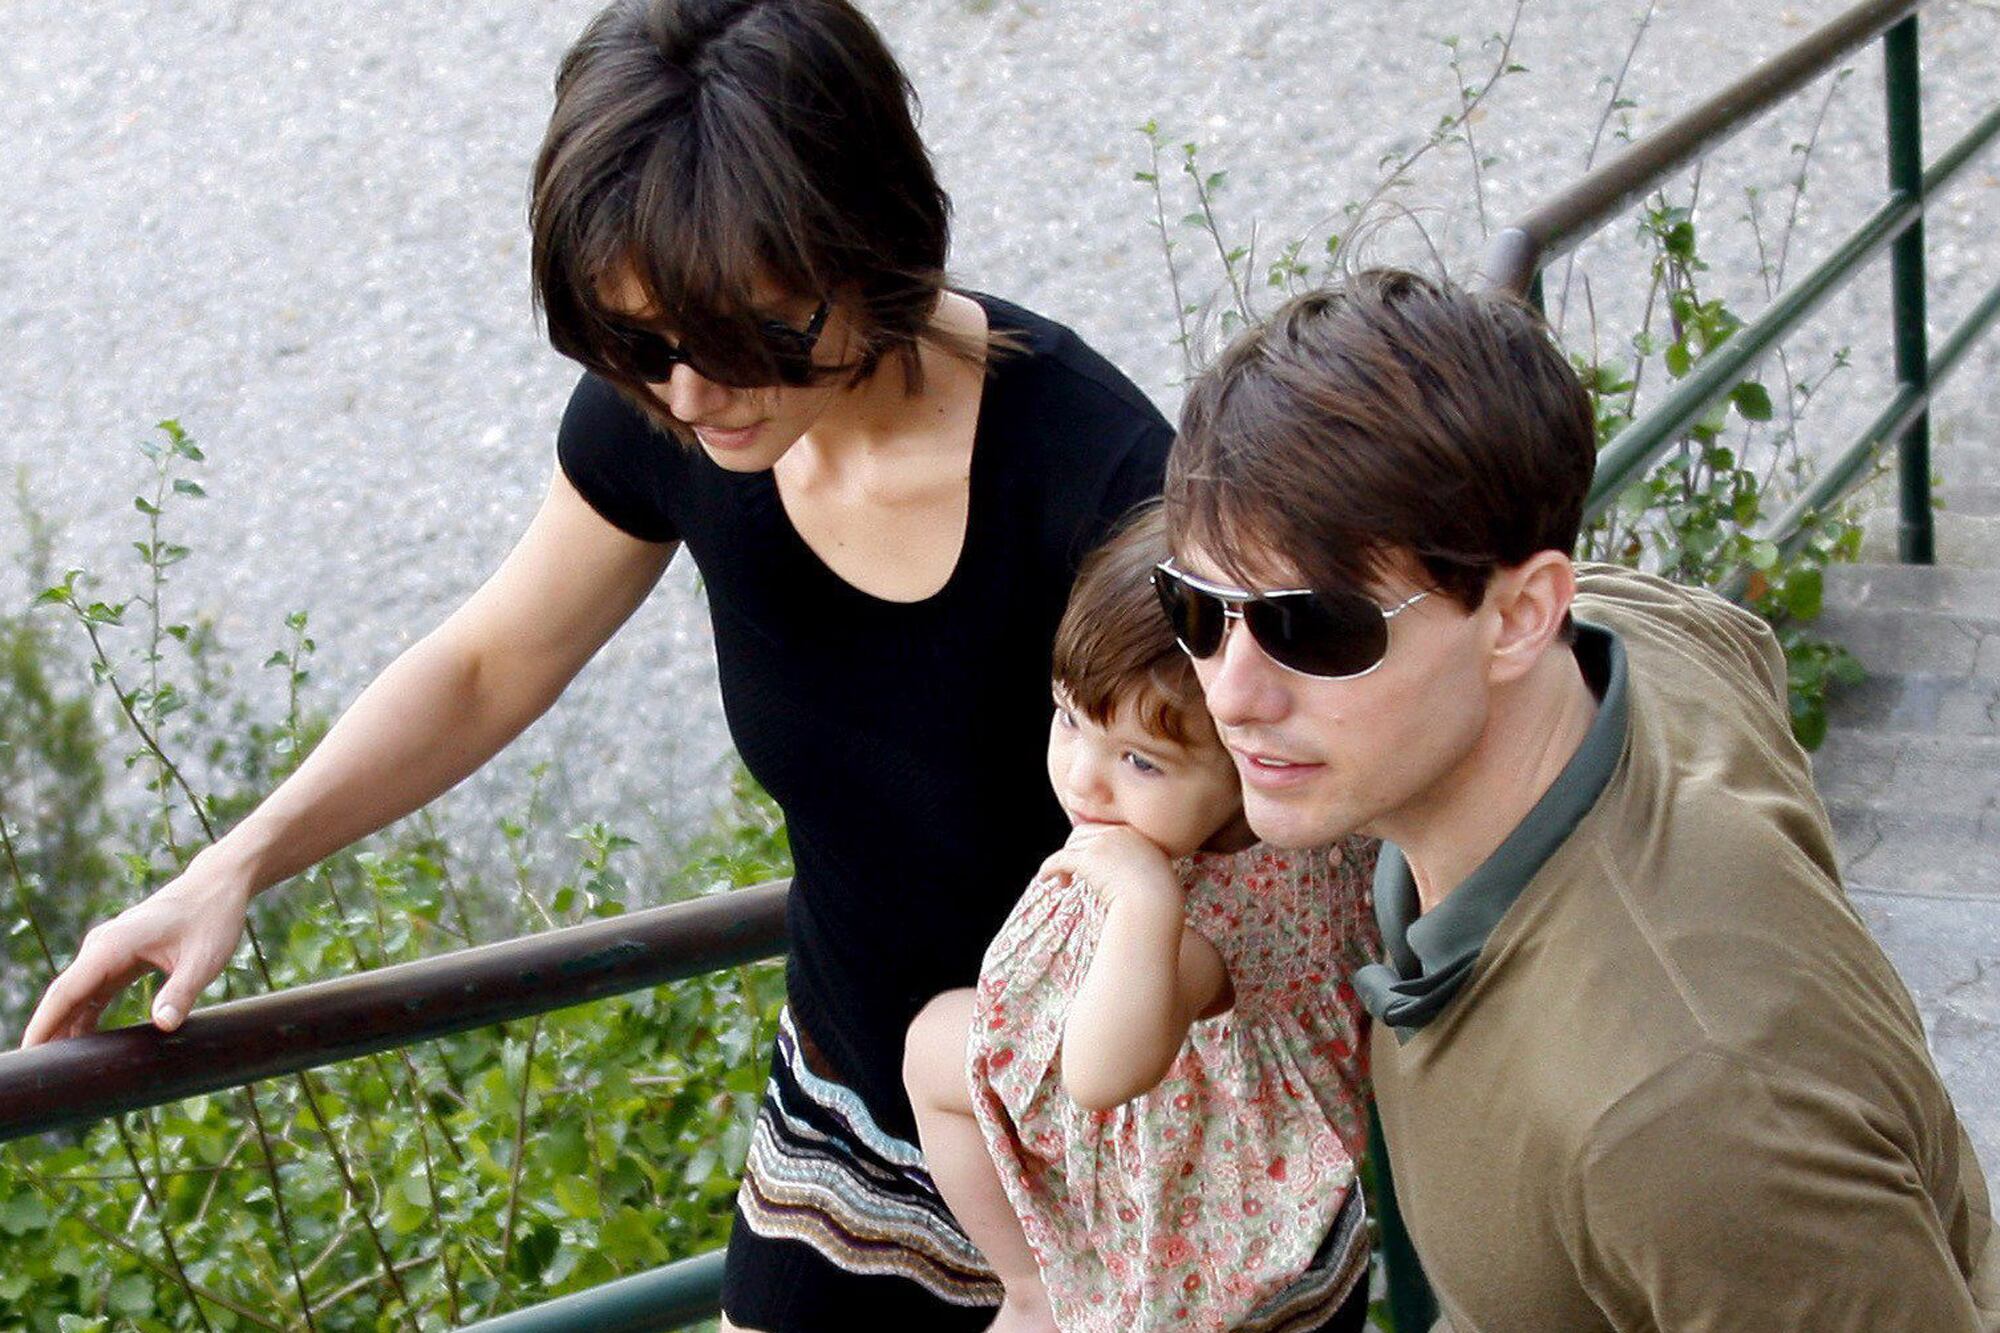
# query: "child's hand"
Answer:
x=1115 y=861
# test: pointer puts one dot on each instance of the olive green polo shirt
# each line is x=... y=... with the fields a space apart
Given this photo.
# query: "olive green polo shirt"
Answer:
x=1653 y=1073
x=1431 y=954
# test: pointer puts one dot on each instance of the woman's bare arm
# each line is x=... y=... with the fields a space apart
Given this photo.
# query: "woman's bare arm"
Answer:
x=447 y=705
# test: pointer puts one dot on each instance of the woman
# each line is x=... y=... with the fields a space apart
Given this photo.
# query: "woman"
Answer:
x=886 y=485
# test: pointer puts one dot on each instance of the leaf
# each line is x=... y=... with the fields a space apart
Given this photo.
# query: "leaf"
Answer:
x=182 y=486
x=578 y=1196
x=1803 y=594
x=1753 y=401
x=132 y=1295
x=1679 y=360
x=145 y=506
x=23 y=1213
x=1809 y=723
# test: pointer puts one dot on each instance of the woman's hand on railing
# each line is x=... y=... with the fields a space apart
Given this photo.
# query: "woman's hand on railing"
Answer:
x=187 y=930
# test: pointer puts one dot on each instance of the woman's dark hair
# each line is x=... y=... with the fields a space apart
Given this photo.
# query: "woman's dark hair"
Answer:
x=1391 y=415
x=700 y=146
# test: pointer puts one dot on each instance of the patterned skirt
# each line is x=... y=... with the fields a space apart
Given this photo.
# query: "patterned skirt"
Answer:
x=823 y=1180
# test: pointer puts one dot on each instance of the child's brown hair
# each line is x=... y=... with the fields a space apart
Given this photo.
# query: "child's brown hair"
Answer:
x=1114 y=645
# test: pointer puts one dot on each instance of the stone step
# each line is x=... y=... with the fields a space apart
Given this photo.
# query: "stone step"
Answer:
x=1948 y=954
x=1969 y=592
x=1952 y=645
x=1933 y=776
x=1918 y=701
x=1974 y=498
x=1962 y=539
x=1898 y=851
x=1914 y=813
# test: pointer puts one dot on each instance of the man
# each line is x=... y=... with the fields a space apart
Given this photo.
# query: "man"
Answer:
x=1638 y=1063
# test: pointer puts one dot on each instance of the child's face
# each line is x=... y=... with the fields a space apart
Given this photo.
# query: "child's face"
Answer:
x=1180 y=797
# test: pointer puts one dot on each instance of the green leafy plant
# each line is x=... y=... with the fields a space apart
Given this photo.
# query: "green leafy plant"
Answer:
x=417 y=1188
x=1700 y=516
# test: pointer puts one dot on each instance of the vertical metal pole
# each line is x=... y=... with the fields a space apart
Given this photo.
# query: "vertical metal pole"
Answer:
x=1412 y=1307
x=1915 y=540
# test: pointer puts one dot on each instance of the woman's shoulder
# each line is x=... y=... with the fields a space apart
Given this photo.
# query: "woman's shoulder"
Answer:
x=620 y=461
x=1037 y=356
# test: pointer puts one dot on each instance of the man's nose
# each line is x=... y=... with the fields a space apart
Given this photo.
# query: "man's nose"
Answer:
x=1240 y=683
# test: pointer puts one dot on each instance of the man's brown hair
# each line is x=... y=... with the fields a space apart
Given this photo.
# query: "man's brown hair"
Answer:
x=1114 y=646
x=1391 y=414
x=699 y=146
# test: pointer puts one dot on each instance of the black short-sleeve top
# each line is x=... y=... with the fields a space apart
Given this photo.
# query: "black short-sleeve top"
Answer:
x=904 y=740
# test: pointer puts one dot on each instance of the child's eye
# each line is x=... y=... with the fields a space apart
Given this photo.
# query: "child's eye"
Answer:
x=1064 y=718
x=1140 y=762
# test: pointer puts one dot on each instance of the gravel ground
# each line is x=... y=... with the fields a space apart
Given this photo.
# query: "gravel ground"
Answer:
x=299 y=229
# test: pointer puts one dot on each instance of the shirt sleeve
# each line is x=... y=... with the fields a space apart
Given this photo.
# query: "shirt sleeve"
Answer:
x=1745 y=1197
x=1138 y=476
x=619 y=461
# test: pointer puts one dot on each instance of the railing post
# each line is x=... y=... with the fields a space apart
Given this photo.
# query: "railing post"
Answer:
x=1915 y=540
x=1412 y=1307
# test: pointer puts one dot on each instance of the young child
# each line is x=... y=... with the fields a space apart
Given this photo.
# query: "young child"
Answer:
x=1148 y=1112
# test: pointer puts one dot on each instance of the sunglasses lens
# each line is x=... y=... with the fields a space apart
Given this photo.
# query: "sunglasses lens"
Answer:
x=791 y=360
x=1320 y=634
x=1196 y=616
x=647 y=355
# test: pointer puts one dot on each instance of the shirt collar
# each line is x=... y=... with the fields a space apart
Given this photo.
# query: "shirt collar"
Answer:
x=1431 y=954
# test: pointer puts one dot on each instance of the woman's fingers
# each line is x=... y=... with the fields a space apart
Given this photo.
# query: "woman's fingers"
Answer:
x=76 y=999
x=186 y=930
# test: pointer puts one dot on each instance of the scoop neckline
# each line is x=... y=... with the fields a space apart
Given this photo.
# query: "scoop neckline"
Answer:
x=767 y=482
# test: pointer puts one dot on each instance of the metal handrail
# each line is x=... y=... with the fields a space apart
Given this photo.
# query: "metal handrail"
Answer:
x=1523 y=248
x=1516 y=256
x=85 y=1079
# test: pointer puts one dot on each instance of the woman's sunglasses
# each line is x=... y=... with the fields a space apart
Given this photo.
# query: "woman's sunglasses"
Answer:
x=788 y=351
x=1329 y=636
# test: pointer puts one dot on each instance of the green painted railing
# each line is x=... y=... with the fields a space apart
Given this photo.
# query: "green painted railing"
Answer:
x=1517 y=255
x=77 y=1082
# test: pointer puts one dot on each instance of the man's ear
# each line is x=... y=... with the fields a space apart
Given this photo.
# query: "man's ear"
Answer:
x=1531 y=604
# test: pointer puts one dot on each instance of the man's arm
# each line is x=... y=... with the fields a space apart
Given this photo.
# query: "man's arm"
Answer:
x=1724 y=1195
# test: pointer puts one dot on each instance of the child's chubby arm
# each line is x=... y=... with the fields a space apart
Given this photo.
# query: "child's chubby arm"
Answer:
x=1150 y=979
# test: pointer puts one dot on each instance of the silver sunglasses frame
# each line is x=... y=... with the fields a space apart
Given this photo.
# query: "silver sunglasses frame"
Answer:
x=1232 y=600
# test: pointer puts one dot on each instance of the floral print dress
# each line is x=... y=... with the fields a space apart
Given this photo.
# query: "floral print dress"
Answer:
x=1191 y=1204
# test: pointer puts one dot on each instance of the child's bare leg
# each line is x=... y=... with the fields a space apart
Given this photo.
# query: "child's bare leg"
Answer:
x=955 y=1151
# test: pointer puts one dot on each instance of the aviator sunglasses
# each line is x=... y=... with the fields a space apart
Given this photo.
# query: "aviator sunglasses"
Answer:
x=1329 y=636
x=652 y=358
